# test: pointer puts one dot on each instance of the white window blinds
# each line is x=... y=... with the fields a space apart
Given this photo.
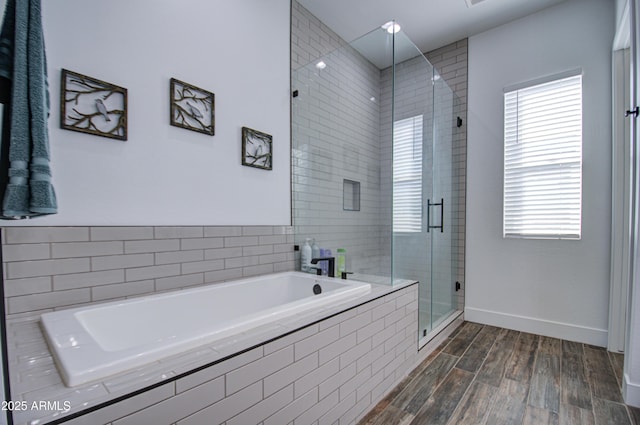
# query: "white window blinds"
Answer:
x=543 y=160
x=407 y=175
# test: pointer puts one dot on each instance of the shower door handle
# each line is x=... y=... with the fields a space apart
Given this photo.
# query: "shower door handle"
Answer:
x=437 y=204
x=441 y=215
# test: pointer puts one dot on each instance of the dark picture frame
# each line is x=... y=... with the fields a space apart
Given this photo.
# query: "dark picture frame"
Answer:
x=257 y=149
x=192 y=107
x=92 y=106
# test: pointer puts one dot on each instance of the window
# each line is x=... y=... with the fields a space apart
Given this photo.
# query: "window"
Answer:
x=407 y=175
x=543 y=159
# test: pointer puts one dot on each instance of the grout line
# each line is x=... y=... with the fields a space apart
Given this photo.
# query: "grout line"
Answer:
x=458 y=406
x=491 y=403
x=619 y=382
x=513 y=349
x=475 y=375
x=484 y=360
x=469 y=346
x=560 y=377
x=533 y=370
x=474 y=380
x=618 y=379
x=588 y=378
x=628 y=414
x=501 y=379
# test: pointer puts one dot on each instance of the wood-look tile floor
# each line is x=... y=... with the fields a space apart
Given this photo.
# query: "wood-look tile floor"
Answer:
x=488 y=375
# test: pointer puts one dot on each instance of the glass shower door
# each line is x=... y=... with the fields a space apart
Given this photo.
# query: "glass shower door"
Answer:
x=443 y=249
x=424 y=187
x=412 y=117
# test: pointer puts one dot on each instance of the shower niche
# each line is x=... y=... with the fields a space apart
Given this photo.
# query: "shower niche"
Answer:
x=350 y=195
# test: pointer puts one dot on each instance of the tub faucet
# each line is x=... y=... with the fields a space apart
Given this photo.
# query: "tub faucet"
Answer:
x=331 y=264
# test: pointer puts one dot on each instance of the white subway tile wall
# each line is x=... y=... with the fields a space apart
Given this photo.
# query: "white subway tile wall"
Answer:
x=335 y=137
x=339 y=133
x=48 y=268
x=337 y=369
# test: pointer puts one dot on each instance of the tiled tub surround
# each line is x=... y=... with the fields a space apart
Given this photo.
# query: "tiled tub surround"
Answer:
x=52 y=268
x=323 y=366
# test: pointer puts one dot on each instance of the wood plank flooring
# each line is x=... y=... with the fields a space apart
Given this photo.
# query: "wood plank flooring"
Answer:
x=483 y=375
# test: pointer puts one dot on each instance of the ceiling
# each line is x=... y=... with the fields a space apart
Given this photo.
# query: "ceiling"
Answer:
x=428 y=23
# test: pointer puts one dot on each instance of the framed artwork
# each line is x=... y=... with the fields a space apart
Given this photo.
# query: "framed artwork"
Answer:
x=257 y=148
x=92 y=106
x=192 y=108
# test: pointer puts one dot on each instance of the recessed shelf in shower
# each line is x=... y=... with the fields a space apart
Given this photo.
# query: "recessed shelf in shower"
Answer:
x=350 y=195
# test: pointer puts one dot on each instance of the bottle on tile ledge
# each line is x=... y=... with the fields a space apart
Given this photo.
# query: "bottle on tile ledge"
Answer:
x=315 y=249
x=324 y=253
x=341 y=261
x=305 y=256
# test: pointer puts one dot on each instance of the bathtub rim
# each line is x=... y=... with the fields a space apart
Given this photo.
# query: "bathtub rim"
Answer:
x=86 y=371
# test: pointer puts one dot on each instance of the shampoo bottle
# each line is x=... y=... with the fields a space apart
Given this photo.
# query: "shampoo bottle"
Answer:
x=341 y=261
x=305 y=256
x=315 y=250
x=324 y=253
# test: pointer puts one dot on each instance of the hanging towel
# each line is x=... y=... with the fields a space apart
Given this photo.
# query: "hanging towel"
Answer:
x=23 y=68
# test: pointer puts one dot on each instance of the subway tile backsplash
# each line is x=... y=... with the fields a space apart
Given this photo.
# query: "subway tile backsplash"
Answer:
x=48 y=268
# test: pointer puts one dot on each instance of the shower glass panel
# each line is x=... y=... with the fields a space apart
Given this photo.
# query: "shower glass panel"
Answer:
x=411 y=136
x=336 y=120
x=376 y=115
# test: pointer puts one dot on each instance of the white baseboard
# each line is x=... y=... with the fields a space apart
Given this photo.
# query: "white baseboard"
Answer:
x=630 y=392
x=534 y=325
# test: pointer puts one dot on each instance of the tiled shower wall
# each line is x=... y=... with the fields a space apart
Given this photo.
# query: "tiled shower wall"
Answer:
x=335 y=134
x=47 y=268
x=361 y=232
x=310 y=38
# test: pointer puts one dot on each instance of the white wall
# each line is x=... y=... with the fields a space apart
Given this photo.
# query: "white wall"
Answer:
x=556 y=288
x=166 y=175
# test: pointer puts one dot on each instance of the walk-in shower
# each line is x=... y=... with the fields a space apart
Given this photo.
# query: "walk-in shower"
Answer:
x=373 y=131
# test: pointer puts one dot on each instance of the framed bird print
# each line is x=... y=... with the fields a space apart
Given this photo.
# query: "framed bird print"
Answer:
x=192 y=108
x=92 y=106
x=257 y=149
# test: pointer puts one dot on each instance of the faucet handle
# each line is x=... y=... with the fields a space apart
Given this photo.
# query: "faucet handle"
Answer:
x=318 y=270
x=343 y=275
x=331 y=264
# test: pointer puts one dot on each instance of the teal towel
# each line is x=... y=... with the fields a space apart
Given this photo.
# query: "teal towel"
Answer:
x=29 y=191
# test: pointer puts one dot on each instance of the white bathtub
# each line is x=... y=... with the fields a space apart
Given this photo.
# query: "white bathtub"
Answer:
x=91 y=343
